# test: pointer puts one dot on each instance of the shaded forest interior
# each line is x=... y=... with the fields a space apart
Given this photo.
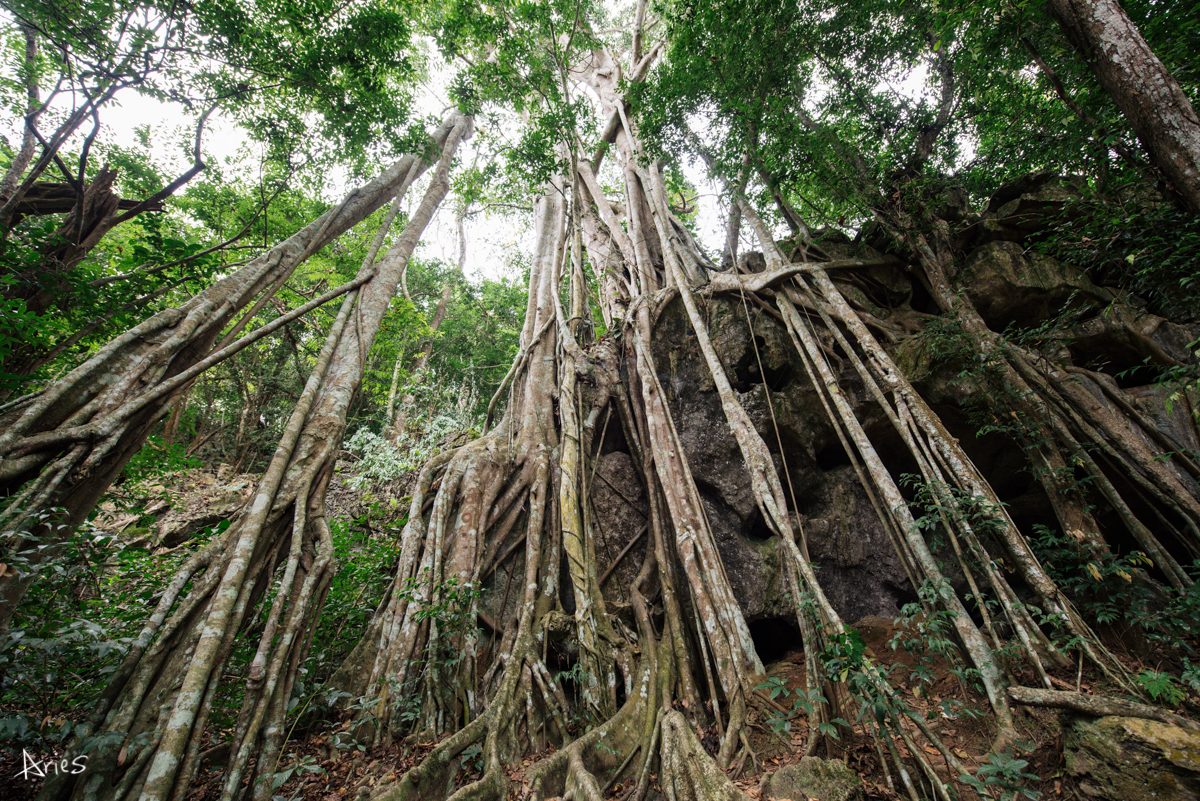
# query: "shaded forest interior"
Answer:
x=830 y=430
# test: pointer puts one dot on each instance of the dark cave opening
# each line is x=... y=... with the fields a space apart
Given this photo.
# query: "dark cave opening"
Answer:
x=775 y=638
x=922 y=300
x=758 y=530
x=747 y=373
x=614 y=436
x=832 y=456
x=776 y=379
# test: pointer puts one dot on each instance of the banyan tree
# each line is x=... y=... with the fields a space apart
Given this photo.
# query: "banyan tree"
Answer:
x=527 y=620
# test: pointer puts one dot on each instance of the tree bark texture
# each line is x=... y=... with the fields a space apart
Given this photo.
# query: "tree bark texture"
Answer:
x=1148 y=95
x=167 y=683
x=62 y=448
x=512 y=511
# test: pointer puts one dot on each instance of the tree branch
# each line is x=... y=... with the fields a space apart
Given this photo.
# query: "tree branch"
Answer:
x=169 y=189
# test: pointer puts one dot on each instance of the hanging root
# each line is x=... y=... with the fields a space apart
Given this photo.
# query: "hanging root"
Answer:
x=170 y=679
x=501 y=530
x=1096 y=705
x=522 y=489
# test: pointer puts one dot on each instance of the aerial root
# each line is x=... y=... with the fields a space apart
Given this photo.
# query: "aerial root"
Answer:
x=572 y=769
x=1096 y=705
x=429 y=778
x=581 y=782
x=606 y=750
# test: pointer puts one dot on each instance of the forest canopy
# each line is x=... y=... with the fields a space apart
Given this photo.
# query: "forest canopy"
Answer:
x=829 y=400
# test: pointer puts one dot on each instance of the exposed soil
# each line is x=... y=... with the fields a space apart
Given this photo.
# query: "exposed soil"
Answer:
x=323 y=765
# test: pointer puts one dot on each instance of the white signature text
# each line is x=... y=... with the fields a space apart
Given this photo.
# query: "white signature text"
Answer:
x=37 y=768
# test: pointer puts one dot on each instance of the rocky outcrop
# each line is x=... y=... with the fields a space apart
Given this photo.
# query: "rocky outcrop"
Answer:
x=857 y=565
x=813 y=778
x=170 y=511
x=855 y=561
x=622 y=518
x=1029 y=203
x=208 y=504
x=1007 y=284
x=1127 y=758
x=1007 y=280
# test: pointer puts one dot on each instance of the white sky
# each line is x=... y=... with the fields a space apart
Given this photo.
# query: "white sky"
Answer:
x=493 y=239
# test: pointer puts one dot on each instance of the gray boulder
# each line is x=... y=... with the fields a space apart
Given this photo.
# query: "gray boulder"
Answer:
x=1126 y=758
x=813 y=778
x=1007 y=284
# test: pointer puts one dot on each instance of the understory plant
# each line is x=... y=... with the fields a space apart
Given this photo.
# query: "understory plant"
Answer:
x=1120 y=590
x=653 y=659
x=82 y=611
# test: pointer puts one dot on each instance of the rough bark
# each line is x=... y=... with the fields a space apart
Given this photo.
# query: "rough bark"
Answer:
x=62 y=447
x=167 y=682
x=1148 y=95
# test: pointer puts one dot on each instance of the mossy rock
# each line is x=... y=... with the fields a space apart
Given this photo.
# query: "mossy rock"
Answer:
x=1127 y=758
x=940 y=379
x=822 y=779
x=136 y=536
x=1006 y=284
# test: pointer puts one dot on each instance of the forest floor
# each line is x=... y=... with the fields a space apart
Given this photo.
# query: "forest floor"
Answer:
x=324 y=773
x=314 y=768
x=320 y=765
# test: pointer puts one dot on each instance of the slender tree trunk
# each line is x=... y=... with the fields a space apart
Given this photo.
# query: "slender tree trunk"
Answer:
x=393 y=386
x=1142 y=87
x=167 y=683
x=20 y=162
x=62 y=448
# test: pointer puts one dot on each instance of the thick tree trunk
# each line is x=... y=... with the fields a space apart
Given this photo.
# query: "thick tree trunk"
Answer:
x=515 y=502
x=1148 y=95
x=88 y=220
x=63 y=447
x=168 y=681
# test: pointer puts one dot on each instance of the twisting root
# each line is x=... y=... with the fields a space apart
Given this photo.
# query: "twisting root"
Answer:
x=501 y=530
x=63 y=447
x=169 y=687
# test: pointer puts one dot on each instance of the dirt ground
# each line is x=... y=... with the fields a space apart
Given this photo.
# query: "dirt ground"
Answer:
x=319 y=767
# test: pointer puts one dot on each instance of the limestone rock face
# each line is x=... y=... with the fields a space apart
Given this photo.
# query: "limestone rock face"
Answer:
x=1173 y=416
x=1040 y=191
x=1007 y=284
x=1031 y=209
x=858 y=567
x=223 y=501
x=856 y=564
x=990 y=229
x=622 y=513
x=823 y=779
x=1104 y=329
x=1127 y=758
